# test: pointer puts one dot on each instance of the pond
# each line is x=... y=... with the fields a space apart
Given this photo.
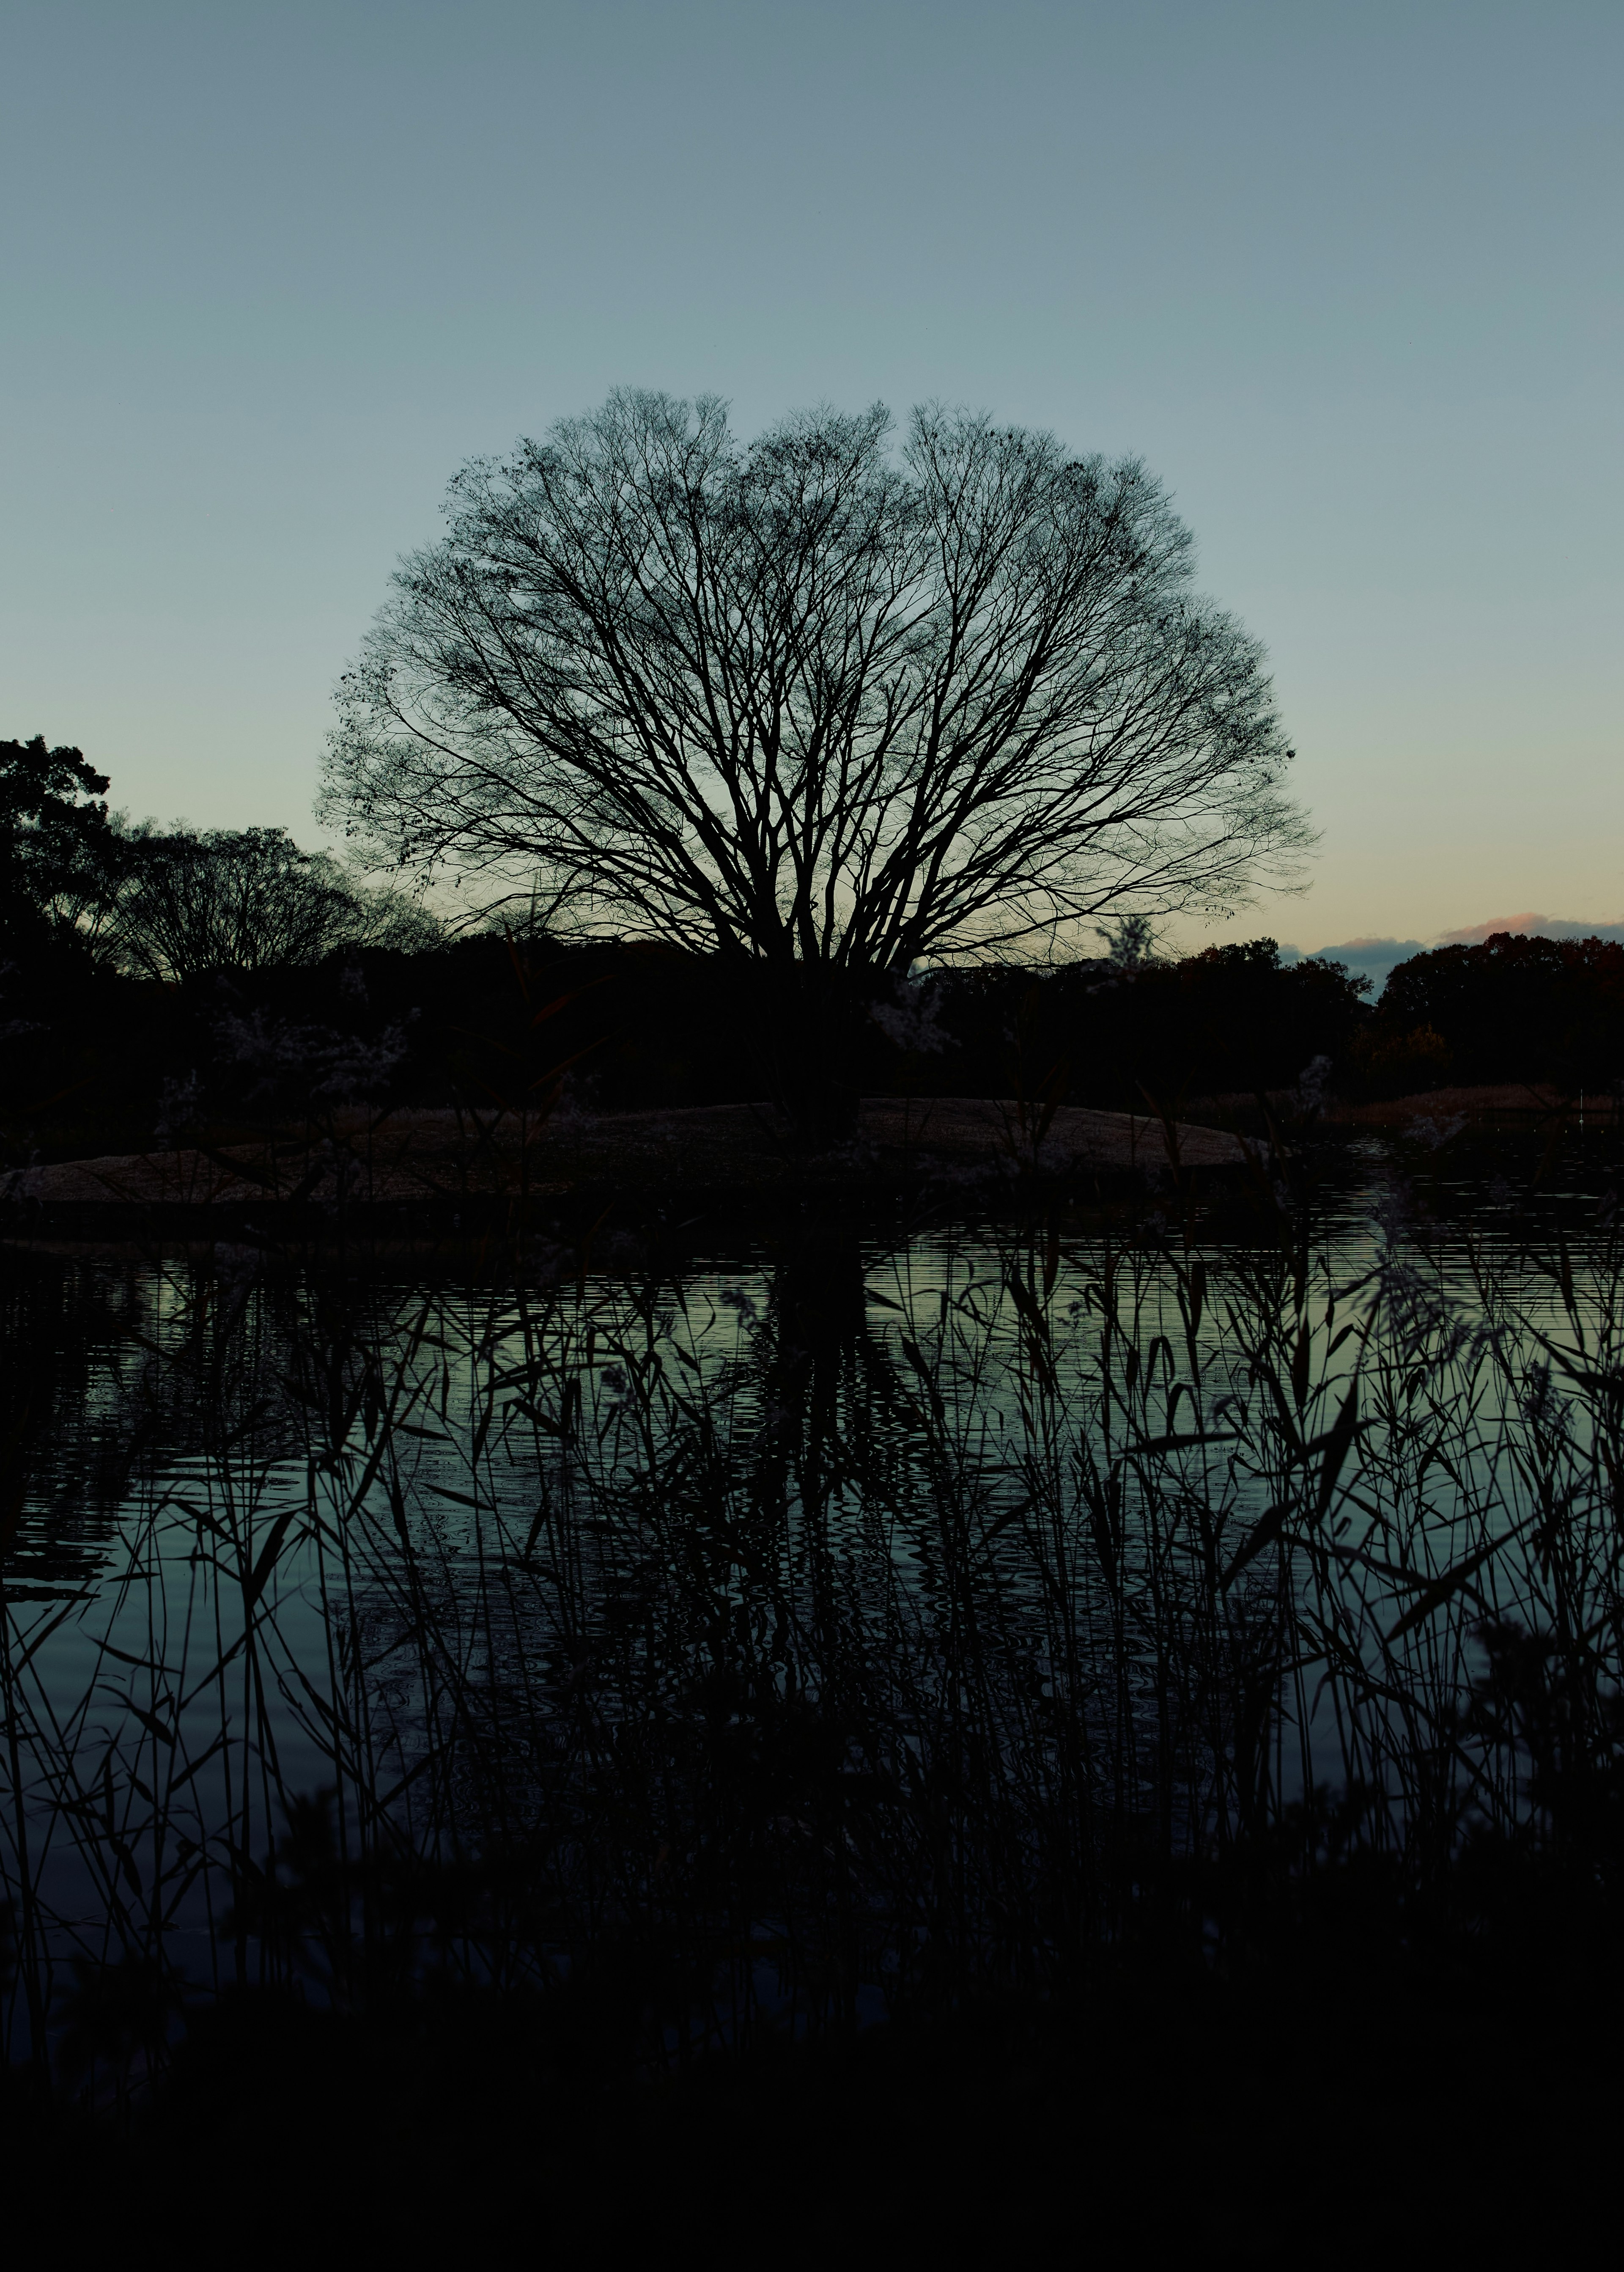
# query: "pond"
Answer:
x=790 y=1618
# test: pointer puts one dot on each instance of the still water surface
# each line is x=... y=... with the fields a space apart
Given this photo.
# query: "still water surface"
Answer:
x=1177 y=1527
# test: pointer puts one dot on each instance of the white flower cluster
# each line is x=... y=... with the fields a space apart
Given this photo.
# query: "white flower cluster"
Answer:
x=909 y=1020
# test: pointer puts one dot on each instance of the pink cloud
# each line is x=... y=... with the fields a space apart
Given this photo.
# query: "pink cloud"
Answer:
x=1532 y=925
x=1475 y=933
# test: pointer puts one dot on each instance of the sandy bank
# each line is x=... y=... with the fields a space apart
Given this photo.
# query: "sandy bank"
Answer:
x=438 y=1156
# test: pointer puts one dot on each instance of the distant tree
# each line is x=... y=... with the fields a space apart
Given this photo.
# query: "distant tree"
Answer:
x=60 y=858
x=247 y=900
x=1515 y=1006
x=809 y=702
x=1231 y=1018
x=1129 y=942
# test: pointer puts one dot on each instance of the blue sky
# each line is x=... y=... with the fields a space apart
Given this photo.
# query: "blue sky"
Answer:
x=1347 y=276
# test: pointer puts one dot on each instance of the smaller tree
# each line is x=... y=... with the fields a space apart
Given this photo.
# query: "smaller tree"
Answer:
x=247 y=900
x=60 y=856
x=1130 y=942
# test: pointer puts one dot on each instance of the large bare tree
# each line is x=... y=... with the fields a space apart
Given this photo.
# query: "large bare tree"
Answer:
x=813 y=699
x=805 y=698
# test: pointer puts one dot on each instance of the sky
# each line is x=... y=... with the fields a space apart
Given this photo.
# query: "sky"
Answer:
x=1347 y=277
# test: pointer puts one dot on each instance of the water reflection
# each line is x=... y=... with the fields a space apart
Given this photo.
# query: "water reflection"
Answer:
x=790 y=1632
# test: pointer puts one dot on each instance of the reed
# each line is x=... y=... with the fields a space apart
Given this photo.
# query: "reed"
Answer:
x=700 y=1660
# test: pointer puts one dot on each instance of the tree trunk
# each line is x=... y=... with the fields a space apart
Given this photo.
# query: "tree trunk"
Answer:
x=813 y=1015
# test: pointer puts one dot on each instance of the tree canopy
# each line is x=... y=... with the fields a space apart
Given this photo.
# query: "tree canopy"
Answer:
x=57 y=845
x=170 y=903
x=245 y=899
x=812 y=699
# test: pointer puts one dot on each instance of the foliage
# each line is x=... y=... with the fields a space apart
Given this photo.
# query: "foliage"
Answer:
x=1515 y=1008
x=59 y=854
x=1231 y=1019
x=1389 y=1059
x=645 y=1027
x=171 y=904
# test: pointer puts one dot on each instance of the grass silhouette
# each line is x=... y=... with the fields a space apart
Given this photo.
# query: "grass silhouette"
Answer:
x=983 y=1688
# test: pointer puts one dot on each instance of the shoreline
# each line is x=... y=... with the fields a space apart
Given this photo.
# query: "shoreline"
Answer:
x=432 y=1162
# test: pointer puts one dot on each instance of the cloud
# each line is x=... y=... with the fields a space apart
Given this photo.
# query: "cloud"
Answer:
x=1530 y=926
x=1371 y=957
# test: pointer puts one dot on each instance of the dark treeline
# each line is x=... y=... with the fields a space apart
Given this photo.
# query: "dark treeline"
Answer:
x=1515 y=1008
x=98 y=1059
x=158 y=982
x=101 y=1060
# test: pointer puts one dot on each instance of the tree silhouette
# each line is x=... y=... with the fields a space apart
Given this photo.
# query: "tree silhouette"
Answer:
x=245 y=899
x=59 y=853
x=812 y=702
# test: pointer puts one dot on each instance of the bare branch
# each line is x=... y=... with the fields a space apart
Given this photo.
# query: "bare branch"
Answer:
x=810 y=701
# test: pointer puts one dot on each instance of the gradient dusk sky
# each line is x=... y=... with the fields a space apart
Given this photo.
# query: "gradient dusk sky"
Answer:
x=1346 y=275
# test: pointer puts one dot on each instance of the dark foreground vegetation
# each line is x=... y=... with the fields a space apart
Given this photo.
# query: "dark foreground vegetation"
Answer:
x=1006 y=1741
x=1318 y=2110
x=1109 y=1736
